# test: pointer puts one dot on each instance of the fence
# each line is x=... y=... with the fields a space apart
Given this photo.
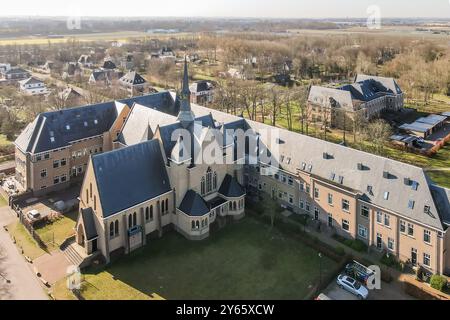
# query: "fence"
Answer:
x=29 y=226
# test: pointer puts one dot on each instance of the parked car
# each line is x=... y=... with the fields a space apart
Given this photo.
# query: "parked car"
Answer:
x=33 y=215
x=352 y=286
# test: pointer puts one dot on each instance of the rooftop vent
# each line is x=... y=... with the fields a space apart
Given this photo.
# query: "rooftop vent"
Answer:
x=386 y=174
x=310 y=168
x=327 y=156
x=341 y=179
x=303 y=166
x=407 y=181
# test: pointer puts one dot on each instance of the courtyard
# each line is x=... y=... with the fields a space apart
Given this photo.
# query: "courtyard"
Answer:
x=244 y=260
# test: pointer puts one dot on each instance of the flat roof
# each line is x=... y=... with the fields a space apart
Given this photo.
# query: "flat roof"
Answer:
x=446 y=114
x=432 y=119
x=417 y=126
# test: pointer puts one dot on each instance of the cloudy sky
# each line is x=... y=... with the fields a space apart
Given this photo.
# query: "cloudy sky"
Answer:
x=228 y=8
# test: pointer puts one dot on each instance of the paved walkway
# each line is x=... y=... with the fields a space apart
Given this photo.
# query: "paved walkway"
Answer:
x=23 y=284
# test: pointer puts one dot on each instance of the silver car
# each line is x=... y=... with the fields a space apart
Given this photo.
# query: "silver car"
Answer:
x=352 y=286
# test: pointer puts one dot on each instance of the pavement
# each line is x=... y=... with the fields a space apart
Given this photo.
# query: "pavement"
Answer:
x=17 y=280
x=388 y=291
x=52 y=266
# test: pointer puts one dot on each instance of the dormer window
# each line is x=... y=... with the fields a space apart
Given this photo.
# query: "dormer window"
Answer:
x=414 y=185
x=310 y=168
x=341 y=179
x=303 y=166
x=426 y=209
x=67 y=127
x=332 y=176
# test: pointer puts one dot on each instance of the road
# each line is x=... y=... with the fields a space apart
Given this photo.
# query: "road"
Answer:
x=23 y=284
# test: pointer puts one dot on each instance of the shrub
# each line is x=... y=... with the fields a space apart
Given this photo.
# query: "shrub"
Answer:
x=391 y=261
x=438 y=282
x=340 y=250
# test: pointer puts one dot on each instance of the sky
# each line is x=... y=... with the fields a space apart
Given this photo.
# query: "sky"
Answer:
x=228 y=8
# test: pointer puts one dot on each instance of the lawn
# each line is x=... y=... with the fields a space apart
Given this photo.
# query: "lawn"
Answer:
x=244 y=260
x=55 y=233
x=3 y=201
x=24 y=241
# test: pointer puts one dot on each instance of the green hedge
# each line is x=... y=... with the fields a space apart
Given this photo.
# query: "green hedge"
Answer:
x=438 y=282
x=356 y=244
x=391 y=261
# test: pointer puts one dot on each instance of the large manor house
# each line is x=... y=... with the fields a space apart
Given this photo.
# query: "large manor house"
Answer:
x=139 y=179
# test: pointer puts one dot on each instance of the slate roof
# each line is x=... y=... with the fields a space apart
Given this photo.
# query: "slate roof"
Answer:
x=87 y=216
x=15 y=70
x=231 y=188
x=201 y=86
x=132 y=78
x=31 y=80
x=344 y=163
x=108 y=64
x=129 y=176
x=193 y=204
x=36 y=137
x=364 y=89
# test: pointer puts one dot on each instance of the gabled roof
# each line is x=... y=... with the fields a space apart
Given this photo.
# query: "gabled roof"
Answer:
x=31 y=80
x=108 y=64
x=100 y=75
x=201 y=86
x=344 y=162
x=142 y=121
x=16 y=70
x=129 y=176
x=231 y=188
x=321 y=96
x=133 y=78
x=87 y=216
x=55 y=129
x=193 y=204
x=388 y=83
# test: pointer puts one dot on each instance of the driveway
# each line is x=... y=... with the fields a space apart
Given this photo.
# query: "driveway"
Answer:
x=17 y=281
x=388 y=291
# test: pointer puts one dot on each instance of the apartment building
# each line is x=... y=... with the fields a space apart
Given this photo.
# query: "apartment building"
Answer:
x=147 y=184
x=367 y=97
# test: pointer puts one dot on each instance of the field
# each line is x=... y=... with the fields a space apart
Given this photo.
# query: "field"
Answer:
x=244 y=260
x=24 y=241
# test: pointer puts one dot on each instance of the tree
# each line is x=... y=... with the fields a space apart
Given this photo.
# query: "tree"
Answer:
x=377 y=132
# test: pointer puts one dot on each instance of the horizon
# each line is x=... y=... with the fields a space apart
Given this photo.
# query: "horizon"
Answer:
x=233 y=9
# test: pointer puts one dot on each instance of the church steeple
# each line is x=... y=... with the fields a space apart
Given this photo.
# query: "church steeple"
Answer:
x=185 y=116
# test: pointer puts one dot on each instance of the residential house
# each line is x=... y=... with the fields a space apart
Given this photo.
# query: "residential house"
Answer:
x=33 y=86
x=202 y=92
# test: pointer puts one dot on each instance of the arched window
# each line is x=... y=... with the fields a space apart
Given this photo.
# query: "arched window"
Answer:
x=197 y=224
x=134 y=219
x=167 y=204
x=215 y=181
x=234 y=205
x=90 y=190
x=162 y=206
x=111 y=229
x=116 y=227
x=193 y=224
x=141 y=211
x=151 y=212
x=87 y=196
x=95 y=202
x=209 y=180
x=147 y=214
x=230 y=205
x=130 y=221
x=203 y=186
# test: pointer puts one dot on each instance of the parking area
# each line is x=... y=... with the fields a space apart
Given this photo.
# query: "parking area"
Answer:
x=388 y=291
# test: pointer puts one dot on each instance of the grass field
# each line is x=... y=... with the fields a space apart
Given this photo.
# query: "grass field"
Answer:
x=24 y=241
x=244 y=260
x=55 y=233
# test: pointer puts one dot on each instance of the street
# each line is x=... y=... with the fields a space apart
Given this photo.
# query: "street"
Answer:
x=17 y=281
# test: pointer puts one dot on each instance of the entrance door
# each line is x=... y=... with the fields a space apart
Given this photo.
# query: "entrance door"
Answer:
x=94 y=245
x=330 y=220
x=379 y=241
x=316 y=214
x=413 y=256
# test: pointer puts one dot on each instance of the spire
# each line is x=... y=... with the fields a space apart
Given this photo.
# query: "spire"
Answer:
x=185 y=87
x=185 y=116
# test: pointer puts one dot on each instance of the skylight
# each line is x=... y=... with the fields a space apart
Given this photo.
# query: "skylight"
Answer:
x=415 y=185
x=95 y=121
x=67 y=127
x=411 y=204
x=386 y=195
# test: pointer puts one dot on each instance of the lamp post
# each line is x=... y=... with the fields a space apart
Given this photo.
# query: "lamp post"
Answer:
x=320 y=269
